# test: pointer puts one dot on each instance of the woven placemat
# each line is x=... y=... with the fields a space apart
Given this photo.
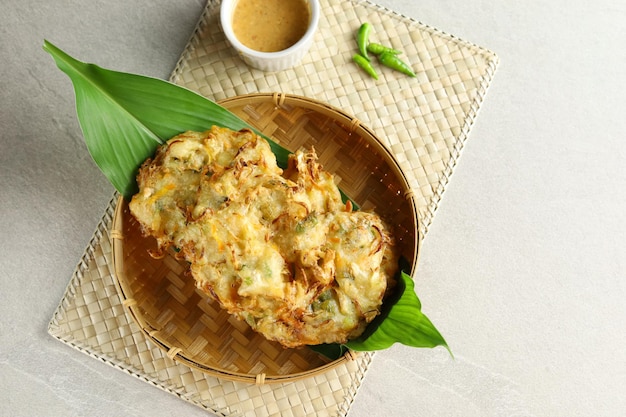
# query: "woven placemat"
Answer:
x=424 y=121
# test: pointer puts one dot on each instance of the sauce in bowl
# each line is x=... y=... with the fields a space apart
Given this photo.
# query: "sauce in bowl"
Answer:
x=270 y=25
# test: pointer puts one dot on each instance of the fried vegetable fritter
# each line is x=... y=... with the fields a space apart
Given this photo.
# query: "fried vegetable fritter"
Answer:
x=277 y=249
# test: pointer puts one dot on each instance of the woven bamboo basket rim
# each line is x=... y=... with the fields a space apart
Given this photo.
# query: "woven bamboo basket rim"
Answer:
x=348 y=126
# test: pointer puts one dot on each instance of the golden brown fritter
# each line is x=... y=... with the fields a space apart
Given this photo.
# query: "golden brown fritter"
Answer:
x=277 y=249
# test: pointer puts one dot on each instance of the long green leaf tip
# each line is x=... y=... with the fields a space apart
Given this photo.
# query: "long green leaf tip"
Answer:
x=124 y=117
x=401 y=321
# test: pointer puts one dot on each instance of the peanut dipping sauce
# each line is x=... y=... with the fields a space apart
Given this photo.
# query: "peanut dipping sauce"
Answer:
x=270 y=25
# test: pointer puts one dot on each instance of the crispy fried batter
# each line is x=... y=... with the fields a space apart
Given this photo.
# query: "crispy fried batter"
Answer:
x=277 y=249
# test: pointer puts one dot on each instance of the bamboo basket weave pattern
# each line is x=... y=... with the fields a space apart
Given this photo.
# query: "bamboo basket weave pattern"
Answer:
x=424 y=122
x=161 y=296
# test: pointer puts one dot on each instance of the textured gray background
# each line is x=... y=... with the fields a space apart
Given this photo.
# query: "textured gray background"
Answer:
x=523 y=268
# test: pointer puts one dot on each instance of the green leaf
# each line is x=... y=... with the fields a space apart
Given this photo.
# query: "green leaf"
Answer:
x=401 y=321
x=124 y=117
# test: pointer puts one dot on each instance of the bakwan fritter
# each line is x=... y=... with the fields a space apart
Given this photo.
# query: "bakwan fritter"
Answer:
x=277 y=249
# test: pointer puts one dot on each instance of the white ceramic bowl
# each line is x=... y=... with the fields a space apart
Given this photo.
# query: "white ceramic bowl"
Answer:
x=270 y=61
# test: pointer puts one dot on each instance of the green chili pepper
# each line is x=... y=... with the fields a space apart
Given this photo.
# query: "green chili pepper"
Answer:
x=392 y=61
x=362 y=39
x=366 y=65
x=378 y=49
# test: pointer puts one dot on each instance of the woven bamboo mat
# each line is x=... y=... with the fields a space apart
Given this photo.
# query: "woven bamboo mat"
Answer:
x=424 y=121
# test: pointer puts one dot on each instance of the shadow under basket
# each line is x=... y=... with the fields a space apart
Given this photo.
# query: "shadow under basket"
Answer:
x=161 y=296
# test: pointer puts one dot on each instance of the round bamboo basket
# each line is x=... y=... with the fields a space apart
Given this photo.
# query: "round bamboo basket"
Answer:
x=161 y=296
